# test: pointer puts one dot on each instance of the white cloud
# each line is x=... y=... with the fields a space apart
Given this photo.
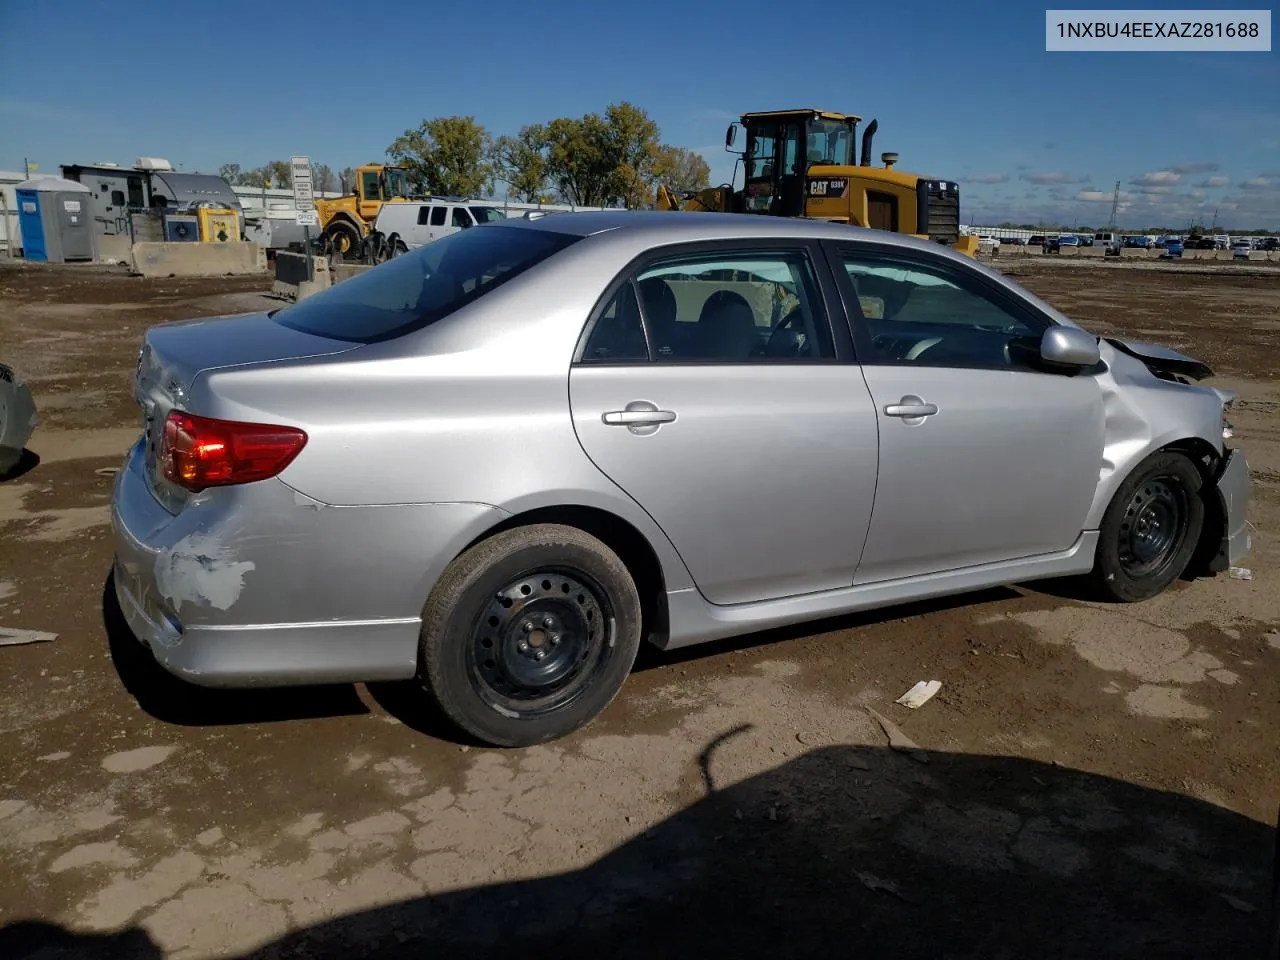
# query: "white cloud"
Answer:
x=988 y=178
x=1156 y=178
x=1215 y=182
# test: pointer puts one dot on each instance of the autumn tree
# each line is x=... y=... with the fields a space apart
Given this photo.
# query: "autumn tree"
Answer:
x=600 y=161
x=347 y=180
x=683 y=170
x=448 y=155
x=520 y=162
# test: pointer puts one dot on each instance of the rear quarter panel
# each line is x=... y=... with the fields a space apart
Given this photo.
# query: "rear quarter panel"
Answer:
x=474 y=409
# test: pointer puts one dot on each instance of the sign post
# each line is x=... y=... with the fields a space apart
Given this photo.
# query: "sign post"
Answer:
x=305 y=204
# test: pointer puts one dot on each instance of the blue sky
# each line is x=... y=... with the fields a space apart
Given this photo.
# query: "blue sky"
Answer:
x=961 y=91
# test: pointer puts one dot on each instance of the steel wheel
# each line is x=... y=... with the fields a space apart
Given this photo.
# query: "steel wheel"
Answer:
x=1154 y=526
x=539 y=641
x=1151 y=528
x=529 y=634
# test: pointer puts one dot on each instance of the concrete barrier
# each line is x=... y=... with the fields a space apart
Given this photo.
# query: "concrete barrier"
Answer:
x=291 y=277
x=153 y=259
x=117 y=248
x=345 y=271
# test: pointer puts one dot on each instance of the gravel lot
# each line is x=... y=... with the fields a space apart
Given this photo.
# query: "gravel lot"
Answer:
x=1091 y=781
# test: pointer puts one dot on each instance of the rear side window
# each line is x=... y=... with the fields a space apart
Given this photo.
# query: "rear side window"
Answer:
x=416 y=289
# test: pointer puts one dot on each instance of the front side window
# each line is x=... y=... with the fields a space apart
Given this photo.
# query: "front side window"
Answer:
x=736 y=308
x=418 y=288
x=918 y=313
x=487 y=214
x=460 y=218
x=370 y=185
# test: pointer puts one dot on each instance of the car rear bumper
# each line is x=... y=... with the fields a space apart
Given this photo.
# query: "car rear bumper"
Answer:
x=17 y=418
x=1233 y=489
x=261 y=586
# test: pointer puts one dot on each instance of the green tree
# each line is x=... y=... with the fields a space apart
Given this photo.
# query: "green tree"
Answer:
x=682 y=170
x=599 y=160
x=520 y=162
x=448 y=155
x=230 y=172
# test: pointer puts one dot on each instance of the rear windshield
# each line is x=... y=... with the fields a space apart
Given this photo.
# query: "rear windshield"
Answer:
x=418 y=288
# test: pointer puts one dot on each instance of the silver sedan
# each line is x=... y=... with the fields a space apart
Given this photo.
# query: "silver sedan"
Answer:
x=501 y=462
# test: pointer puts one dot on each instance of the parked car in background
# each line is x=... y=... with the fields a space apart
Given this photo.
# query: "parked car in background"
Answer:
x=1086 y=239
x=1051 y=245
x=1036 y=240
x=989 y=245
x=17 y=418
x=1269 y=243
x=1110 y=242
x=1241 y=249
x=637 y=363
x=1068 y=240
x=1173 y=248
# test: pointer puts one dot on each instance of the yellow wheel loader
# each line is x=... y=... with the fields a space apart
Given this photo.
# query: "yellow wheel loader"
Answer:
x=345 y=221
x=800 y=163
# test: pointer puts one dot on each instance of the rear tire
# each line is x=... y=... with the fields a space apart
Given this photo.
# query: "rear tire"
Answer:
x=529 y=635
x=1151 y=529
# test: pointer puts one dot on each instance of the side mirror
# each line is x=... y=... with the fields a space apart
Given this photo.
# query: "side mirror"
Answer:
x=1069 y=347
x=730 y=136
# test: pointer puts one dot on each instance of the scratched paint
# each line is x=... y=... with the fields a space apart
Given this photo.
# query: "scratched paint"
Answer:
x=202 y=571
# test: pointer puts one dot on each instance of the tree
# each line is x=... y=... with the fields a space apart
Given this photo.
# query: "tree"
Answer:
x=599 y=161
x=230 y=172
x=521 y=163
x=683 y=170
x=347 y=180
x=448 y=155
x=323 y=179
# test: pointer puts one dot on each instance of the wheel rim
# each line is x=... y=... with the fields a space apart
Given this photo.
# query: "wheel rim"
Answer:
x=539 y=640
x=1153 y=527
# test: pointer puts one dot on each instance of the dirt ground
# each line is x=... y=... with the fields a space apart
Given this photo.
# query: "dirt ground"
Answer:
x=1092 y=780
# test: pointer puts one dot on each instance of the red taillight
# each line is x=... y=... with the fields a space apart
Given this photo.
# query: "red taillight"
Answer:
x=199 y=452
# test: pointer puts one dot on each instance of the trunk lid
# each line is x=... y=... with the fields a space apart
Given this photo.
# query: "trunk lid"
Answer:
x=174 y=354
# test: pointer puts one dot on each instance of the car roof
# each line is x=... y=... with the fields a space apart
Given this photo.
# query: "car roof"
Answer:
x=672 y=226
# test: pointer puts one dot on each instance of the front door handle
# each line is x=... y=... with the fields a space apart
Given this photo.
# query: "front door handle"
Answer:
x=911 y=408
x=641 y=418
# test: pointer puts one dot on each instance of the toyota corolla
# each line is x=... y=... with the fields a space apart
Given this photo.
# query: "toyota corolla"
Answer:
x=501 y=462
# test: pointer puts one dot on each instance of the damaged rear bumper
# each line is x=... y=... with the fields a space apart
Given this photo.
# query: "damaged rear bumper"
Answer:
x=259 y=586
x=1232 y=488
x=17 y=417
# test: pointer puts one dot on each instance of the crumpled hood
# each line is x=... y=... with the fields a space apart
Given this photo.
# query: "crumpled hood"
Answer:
x=1163 y=360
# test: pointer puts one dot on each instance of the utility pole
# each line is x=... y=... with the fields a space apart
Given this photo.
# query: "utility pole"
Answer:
x=1115 y=205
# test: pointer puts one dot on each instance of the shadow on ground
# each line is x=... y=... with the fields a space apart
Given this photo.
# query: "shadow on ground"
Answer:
x=846 y=852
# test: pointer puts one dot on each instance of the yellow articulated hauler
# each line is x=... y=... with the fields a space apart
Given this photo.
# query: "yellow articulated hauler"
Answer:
x=800 y=163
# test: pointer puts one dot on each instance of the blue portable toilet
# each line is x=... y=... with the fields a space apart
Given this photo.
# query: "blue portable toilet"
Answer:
x=55 y=220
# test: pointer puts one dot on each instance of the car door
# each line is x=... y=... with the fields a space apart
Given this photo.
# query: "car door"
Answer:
x=985 y=455
x=712 y=388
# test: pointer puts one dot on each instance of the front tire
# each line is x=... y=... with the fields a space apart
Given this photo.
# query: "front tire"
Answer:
x=344 y=239
x=530 y=634
x=1151 y=529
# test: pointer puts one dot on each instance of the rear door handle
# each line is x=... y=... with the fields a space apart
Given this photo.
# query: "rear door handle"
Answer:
x=643 y=418
x=911 y=408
